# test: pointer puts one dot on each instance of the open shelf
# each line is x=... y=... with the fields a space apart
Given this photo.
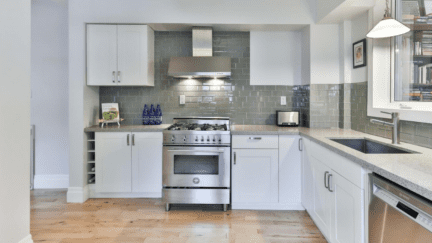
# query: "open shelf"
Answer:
x=91 y=158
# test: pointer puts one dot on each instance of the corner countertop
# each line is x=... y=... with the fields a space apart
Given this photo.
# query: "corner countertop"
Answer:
x=412 y=171
x=128 y=128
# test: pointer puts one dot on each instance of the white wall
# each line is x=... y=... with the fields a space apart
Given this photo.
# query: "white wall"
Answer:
x=84 y=101
x=359 y=29
x=49 y=85
x=324 y=49
x=15 y=125
x=275 y=58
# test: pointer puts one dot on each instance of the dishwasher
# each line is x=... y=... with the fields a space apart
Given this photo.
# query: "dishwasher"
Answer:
x=397 y=215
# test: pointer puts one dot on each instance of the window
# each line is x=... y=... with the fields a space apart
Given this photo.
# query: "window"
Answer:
x=393 y=83
x=413 y=52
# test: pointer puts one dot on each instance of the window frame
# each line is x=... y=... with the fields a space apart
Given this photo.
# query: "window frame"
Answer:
x=380 y=84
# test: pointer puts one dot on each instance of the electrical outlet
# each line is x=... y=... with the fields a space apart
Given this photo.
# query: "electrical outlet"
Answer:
x=283 y=100
x=182 y=99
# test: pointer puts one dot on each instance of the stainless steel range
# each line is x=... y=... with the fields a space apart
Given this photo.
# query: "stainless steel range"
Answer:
x=196 y=161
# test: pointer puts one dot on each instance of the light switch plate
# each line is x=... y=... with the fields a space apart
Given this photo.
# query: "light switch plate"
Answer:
x=283 y=100
x=182 y=99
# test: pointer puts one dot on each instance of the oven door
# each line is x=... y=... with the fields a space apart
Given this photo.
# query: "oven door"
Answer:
x=196 y=166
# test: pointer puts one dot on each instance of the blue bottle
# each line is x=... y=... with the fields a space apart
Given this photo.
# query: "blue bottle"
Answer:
x=158 y=115
x=152 y=118
x=145 y=115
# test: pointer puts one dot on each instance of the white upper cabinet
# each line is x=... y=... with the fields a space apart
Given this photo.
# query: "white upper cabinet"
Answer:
x=120 y=55
x=101 y=54
x=275 y=58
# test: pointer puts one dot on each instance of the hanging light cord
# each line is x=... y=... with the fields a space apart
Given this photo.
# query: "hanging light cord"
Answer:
x=387 y=11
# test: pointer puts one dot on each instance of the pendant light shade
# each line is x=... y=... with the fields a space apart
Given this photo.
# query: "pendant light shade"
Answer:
x=388 y=27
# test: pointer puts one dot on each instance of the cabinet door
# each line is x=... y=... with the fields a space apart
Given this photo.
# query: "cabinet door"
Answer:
x=101 y=55
x=289 y=170
x=346 y=211
x=255 y=176
x=133 y=55
x=113 y=162
x=307 y=177
x=147 y=162
x=321 y=198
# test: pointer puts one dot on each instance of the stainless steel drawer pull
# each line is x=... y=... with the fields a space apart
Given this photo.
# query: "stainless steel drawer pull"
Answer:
x=300 y=146
x=235 y=157
x=113 y=76
x=198 y=151
x=127 y=140
x=325 y=179
x=133 y=139
x=118 y=76
x=330 y=182
x=255 y=138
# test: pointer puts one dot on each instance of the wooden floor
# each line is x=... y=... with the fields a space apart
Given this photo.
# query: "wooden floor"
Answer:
x=145 y=220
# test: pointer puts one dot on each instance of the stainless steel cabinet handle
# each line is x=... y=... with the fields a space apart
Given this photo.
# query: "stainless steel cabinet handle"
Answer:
x=300 y=146
x=113 y=76
x=235 y=157
x=330 y=183
x=255 y=138
x=118 y=76
x=127 y=140
x=198 y=151
x=325 y=179
x=133 y=139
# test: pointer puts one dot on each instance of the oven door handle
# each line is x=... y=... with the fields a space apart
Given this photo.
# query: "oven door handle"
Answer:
x=198 y=151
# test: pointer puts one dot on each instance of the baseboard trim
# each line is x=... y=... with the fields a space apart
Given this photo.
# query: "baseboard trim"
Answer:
x=27 y=239
x=51 y=181
x=77 y=194
x=268 y=206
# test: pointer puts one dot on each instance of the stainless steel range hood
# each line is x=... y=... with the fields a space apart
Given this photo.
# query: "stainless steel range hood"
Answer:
x=202 y=64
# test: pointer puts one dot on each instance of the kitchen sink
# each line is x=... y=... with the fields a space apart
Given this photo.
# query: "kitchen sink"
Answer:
x=370 y=147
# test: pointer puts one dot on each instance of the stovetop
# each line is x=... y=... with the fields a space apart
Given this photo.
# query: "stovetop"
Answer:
x=213 y=131
x=198 y=127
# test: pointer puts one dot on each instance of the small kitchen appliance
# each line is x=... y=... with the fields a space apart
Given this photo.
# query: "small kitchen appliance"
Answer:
x=196 y=161
x=287 y=118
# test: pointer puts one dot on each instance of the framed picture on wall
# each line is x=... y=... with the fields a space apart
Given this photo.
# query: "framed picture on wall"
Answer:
x=359 y=54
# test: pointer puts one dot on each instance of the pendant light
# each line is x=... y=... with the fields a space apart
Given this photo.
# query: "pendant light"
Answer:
x=388 y=26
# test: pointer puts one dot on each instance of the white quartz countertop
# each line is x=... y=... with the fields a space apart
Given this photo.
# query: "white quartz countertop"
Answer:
x=128 y=128
x=413 y=171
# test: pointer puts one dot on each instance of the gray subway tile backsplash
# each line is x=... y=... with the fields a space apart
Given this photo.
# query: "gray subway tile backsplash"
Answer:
x=234 y=97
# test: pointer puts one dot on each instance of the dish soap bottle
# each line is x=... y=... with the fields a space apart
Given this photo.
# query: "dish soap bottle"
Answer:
x=158 y=115
x=152 y=115
x=145 y=115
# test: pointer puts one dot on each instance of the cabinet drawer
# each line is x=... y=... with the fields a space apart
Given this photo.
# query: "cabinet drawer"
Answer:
x=255 y=141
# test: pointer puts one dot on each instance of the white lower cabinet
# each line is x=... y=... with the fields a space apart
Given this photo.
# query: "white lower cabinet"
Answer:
x=266 y=172
x=113 y=162
x=347 y=211
x=321 y=204
x=128 y=163
x=334 y=202
x=255 y=176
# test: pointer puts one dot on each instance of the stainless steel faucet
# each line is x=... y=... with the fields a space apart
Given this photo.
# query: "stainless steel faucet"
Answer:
x=395 y=125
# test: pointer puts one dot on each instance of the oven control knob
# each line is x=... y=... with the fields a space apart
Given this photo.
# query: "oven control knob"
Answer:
x=220 y=140
x=196 y=180
x=214 y=139
x=196 y=139
x=202 y=139
x=173 y=138
x=184 y=139
x=208 y=138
